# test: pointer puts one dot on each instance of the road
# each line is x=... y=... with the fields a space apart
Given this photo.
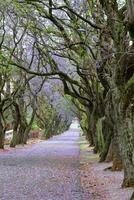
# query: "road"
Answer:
x=45 y=171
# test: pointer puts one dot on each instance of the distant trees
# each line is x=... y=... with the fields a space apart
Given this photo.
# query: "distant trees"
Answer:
x=20 y=92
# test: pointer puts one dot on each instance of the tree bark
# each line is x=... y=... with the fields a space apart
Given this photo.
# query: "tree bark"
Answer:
x=125 y=140
x=21 y=131
x=28 y=128
x=2 y=132
x=16 y=122
x=109 y=156
x=117 y=160
x=107 y=151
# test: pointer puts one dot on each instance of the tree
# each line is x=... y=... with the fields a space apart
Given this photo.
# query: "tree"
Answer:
x=86 y=45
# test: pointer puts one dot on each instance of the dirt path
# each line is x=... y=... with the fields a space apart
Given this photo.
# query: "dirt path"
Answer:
x=45 y=171
x=98 y=183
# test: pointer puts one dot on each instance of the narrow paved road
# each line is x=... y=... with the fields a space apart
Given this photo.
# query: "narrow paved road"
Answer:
x=44 y=171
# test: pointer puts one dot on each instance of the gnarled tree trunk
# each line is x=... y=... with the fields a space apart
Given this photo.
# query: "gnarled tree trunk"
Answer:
x=28 y=128
x=16 y=122
x=2 y=131
x=117 y=160
x=125 y=138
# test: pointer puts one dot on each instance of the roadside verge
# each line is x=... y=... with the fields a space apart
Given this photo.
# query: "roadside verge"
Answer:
x=98 y=184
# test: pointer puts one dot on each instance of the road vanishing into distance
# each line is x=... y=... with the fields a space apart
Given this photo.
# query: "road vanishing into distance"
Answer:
x=48 y=170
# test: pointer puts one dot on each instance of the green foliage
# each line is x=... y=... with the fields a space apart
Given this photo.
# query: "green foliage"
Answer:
x=130 y=84
x=35 y=126
x=46 y=134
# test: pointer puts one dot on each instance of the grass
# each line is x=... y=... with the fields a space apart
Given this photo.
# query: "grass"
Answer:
x=87 y=151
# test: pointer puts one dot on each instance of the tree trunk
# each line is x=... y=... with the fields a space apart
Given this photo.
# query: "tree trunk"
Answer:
x=2 y=132
x=89 y=129
x=96 y=146
x=107 y=151
x=16 y=122
x=125 y=138
x=109 y=157
x=28 y=128
x=90 y=137
x=127 y=148
x=132 y=197
x=21 y=131
x=117 y=160
x=2 y=137
x=13 y=142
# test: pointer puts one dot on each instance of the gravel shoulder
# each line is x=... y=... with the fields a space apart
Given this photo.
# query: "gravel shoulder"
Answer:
x=98 y=184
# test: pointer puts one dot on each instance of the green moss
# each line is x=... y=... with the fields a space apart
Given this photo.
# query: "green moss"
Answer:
x=100 y=137
x=129 y=84
x=35 y=126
